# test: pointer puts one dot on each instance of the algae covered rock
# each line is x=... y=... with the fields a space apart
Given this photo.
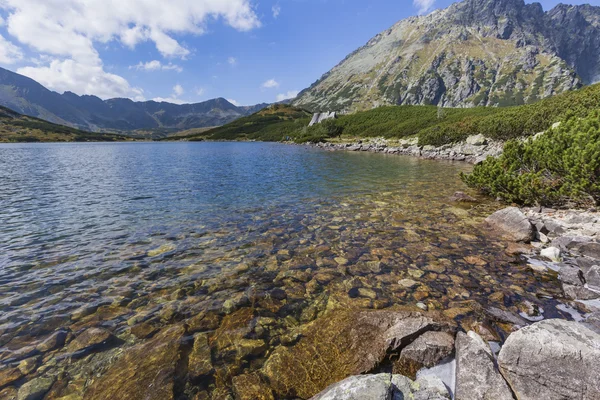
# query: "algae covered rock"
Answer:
x=552 y=359
x=343 y=343
x=251 y=387
x=144 y=372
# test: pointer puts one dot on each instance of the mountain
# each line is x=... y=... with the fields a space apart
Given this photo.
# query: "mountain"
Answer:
x=28 y=97
x=473 y=53
x=15 y=127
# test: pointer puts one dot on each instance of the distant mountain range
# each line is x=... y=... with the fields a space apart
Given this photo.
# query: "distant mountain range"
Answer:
x=473 y=53
x=28 y=97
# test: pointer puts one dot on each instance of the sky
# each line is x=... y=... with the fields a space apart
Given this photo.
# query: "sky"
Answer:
x=188 y=51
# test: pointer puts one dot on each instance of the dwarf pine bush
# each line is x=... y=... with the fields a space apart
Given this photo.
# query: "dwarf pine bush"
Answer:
x=560 y=167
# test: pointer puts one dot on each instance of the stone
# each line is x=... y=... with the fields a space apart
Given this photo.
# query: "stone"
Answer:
x=497 y=314
x=9 y=375
x=571 y=275
x=52 y=342
x=477 y=140
x=250 y=347
x=36 y=388
x=566 y=243
x=200 y=360
x=9 y=393
x=462 y=197
x=551 y=253
x=552 y=359
x=251 y=387
x=90 y=339
x=592 y=277
x=476 y=374
x=408 y=283
x=512 y=224
x=425 y=351
x=29 y=365
x=145 y=372
x=343 y=343
x=591 y=249
x=372 y=387
x=424 y=388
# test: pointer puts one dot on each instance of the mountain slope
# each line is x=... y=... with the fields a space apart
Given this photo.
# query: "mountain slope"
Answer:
x=15 y=128
x=28 y=97
x=474 y=53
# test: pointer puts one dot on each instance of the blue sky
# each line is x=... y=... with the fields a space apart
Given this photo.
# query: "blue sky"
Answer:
x=247 y=51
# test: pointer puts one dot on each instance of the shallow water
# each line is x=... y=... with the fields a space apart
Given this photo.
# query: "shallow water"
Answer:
x=118 y=235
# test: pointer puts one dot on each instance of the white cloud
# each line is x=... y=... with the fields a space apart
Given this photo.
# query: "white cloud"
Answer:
x=270 y=84
x=71 y=27
x=235 y=103
x=424 y=5
x=156 y=65
x=178 y=90
x=9 y=53
x=68 y=32
x=200 y=91
x=82 y=78
x=232 y=61
x=276 y=10
x=289 y=95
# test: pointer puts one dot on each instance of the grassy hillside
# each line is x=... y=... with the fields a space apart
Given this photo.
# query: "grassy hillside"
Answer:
x=17 y=128
x=432 y=125
x=274 y=123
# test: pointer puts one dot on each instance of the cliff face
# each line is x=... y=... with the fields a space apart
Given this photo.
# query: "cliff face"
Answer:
x=474 y=53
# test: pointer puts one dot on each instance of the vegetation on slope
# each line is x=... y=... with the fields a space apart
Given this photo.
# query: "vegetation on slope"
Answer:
x=17 y=128
x=277 y=122
x=560 y=167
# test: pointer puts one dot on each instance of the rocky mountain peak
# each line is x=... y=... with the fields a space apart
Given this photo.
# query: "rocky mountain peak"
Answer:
x=473 y=53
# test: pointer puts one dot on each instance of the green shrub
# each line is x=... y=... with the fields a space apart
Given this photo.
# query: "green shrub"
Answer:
x=561 y=167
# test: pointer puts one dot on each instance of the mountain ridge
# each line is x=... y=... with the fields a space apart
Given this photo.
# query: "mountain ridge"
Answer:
x=28 y=97
x=473 y=53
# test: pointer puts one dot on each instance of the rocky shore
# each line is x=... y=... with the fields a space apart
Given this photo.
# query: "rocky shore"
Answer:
x=474 y=150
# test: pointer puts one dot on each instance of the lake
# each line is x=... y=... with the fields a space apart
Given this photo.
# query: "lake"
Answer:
x=137 y=237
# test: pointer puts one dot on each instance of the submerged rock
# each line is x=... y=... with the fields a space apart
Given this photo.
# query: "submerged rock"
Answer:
x=426 y=351
x=144 y=372
x=476 y=375
x=90 y=339
x=512 y=224
x=35 y=389
x=552 y=359
x=343 y=343
x=251 y=387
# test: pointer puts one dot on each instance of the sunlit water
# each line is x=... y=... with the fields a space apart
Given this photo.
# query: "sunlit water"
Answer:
x=99 y=234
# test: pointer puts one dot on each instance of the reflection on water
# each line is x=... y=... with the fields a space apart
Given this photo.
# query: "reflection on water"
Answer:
x=136 y=237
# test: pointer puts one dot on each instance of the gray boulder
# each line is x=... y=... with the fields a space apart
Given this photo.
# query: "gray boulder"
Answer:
x=552 y=359
x=476 y=374
x=425 y=388
x=512 y=224
x=591 y=249
x=375 y=387
x=426 y=351
x=592 y=277
x=477 y=140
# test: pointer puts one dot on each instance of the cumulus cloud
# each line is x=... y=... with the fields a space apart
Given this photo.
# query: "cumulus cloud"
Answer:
x=232 y=61
x=424 y=6
x=9 y=53
x=178 y=90
x=270 y=84
x=156 y=65
x=69 y=31
x=289 y=95
x=276 y=9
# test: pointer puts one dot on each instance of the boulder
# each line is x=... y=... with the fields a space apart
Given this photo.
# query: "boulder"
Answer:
x=476 y=374
x=54 y=341
x=590 y=249
x=592 y=277
x=372 y=387
x=145 y=372
x=9 y=375
x=552 y=359
x=512 y=224
x=200 y=362
x=477 y=140
x=426 y=351
x=424 y=388
x=343 y=343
